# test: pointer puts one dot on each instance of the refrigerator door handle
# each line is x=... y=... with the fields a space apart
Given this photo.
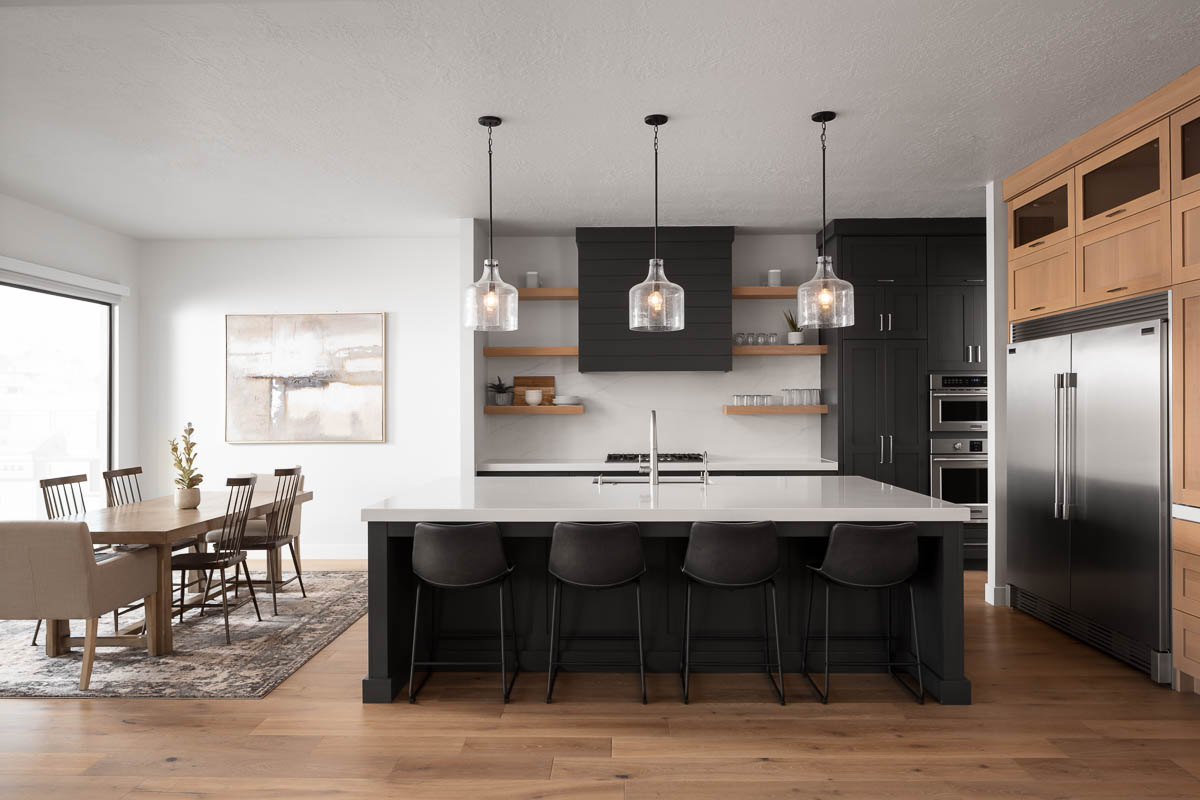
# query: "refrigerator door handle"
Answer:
x=1070 y=383
x=1058 y=481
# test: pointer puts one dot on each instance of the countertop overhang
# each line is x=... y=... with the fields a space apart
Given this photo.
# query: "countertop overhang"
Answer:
x=728 y=498
x=715 y=464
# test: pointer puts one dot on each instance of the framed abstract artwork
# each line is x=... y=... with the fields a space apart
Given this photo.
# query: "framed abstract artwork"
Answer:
x=305 y=377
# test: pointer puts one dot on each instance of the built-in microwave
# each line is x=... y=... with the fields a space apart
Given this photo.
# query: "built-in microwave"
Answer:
x=958 y=403
x=958 y=473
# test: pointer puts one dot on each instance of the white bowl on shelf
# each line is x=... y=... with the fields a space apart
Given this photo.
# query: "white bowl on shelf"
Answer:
x=567 y=400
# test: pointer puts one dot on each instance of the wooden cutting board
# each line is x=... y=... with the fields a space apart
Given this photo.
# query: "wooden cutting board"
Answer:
x=523 y=382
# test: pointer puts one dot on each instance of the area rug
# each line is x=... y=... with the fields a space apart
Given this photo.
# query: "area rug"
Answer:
x=262 y=654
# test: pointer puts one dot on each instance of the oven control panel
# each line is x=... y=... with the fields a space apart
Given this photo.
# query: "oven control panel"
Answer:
x=958 y=447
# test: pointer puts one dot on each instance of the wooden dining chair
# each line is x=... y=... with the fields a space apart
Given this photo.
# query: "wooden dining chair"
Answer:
x=122 y=487
x=63 y=497
x=227 y=550
x=276 y=531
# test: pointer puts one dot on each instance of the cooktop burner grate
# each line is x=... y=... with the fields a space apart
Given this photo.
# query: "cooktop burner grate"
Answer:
x=663 y=458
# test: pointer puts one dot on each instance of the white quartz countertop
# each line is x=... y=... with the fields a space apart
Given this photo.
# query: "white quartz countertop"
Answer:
x=715 y=463
x=1189 y=513
x=809 y=498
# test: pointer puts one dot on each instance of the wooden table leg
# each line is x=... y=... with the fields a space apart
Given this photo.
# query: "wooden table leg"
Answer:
x=160 y=641
x=55 y=631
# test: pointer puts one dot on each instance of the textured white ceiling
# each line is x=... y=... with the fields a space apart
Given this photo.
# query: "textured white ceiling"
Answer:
x=288 y=118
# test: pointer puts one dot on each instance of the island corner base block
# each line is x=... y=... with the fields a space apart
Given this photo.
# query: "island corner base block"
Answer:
x=858 y=620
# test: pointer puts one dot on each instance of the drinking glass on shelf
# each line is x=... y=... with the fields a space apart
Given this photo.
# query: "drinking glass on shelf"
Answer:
x=760 y=338
x=773 y=338
x=758 y=400
x=739 y=339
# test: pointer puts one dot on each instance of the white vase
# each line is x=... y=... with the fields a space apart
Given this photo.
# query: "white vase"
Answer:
x=795 y=337
x=187 y=498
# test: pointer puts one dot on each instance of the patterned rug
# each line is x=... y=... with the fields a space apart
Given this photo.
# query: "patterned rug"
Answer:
x=262 y=655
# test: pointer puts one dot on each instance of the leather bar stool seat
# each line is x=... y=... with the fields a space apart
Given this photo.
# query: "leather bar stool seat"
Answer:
x=594 y=556
x=873 y=557
x=733 y=555
x=461 y=557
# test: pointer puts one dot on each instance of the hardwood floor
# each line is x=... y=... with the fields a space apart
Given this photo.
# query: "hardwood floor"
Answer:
x=1052 y=719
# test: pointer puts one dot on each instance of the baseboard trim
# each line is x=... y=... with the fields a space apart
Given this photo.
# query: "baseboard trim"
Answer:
x=319 y=564
x=996 y=595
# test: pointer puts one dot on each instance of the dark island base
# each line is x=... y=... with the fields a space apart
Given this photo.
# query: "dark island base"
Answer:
x=858 y=619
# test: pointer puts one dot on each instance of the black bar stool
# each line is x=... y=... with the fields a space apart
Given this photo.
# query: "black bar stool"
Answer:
x=732 y=555
x=461 y=557
x=868 y=557
x=594 y=556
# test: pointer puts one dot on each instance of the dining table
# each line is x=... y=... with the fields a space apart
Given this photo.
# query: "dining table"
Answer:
x=157 y=523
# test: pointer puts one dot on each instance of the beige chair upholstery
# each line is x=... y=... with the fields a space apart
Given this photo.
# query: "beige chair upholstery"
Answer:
x=48 y=571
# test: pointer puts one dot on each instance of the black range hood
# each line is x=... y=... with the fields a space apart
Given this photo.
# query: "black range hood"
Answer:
x=611 y=260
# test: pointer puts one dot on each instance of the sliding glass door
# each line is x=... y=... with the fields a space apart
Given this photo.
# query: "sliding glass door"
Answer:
x=55 y=396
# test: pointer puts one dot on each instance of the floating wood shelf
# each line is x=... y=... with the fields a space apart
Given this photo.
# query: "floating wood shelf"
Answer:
x=780 y=350
x=764 y=292
x=530 y=352
x=549 y=293
x=748 y=410
x=533 y=409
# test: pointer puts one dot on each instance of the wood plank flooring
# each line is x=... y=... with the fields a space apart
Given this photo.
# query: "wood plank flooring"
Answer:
x=1051 y=719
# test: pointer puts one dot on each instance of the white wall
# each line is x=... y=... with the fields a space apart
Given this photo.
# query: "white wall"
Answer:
x=50 y=239
x=189 y=286
x=996 y=591
x=689 y=403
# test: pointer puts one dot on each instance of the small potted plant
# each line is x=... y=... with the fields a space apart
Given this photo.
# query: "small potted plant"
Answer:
x=795 y=332
x=187 y=493
x=504 y=396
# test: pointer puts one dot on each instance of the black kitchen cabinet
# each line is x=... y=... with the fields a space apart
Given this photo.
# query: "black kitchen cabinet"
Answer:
x=888 y=312
x=885 y=412
x=956 y=260
x=882 y=260
x=957 y=328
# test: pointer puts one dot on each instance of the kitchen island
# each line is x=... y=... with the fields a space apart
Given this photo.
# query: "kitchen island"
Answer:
x=804 y=508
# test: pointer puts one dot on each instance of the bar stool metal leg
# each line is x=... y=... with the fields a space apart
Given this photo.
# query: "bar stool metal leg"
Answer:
x=552 y=670
x=912 y=602
x=412 y=664
x=687 y=643
x=637 y=588
x=778 y=647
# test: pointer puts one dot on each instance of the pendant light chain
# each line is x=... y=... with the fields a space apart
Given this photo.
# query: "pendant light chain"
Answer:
x=822 y=233
x=491 y=255
x=656 y=191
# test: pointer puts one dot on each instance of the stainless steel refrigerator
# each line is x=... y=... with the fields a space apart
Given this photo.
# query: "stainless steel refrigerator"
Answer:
x=1089 y=483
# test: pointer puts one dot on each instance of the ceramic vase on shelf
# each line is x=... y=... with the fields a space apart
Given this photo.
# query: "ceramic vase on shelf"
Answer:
x=187 y=498
x=504 y=398
x=795 y=337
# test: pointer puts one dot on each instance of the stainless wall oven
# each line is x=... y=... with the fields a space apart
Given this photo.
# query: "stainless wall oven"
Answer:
x=958 y=473
x=957 y=403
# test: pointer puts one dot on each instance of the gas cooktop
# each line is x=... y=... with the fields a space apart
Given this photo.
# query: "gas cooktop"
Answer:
x=663 y=458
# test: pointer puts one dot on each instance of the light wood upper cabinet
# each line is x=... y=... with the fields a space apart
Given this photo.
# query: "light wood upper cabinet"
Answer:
x=1185 y=238
x=1043 y=216
x=1042 y=282
x=1185 y=389
x=1125 y=257
x=1130 y=176
x=1185 y=150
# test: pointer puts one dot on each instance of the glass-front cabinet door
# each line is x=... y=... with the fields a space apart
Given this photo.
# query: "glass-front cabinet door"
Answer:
x=1042 y=216
x=1130 y=176
x=1185 y=150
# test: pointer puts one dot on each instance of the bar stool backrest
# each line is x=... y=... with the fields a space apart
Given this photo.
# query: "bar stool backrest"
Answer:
x=63 y=496
x=237 y=511
x=597 y=554
x=871 y=555
x=458 y=555
x=732 y=553
x=121 y=486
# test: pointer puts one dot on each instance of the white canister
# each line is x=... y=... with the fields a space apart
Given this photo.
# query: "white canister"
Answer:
x=531 y=280
x=533 y=397
x=774 y=277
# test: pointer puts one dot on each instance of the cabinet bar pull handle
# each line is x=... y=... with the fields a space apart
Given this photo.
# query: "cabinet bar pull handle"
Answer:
x=887 y=280
x=1114 y=213
x=891 y=449
x=1038 y=243
x=970 y=355
x=881 y=448
x=889 y=320
x=976 y=280
x=979 y=354
x=1037 y=308
x=881 y=323
x=1116 y=289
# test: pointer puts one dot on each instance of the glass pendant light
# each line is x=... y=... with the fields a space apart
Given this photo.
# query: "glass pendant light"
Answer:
x=489 y=303
x=656 y=304
x=826 y=301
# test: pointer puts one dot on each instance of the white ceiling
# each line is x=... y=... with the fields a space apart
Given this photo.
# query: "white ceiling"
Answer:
x=177 y=119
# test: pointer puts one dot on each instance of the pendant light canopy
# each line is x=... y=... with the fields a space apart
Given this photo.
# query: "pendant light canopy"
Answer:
x=489 y=303
x=826 y=301
x=656 y=304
